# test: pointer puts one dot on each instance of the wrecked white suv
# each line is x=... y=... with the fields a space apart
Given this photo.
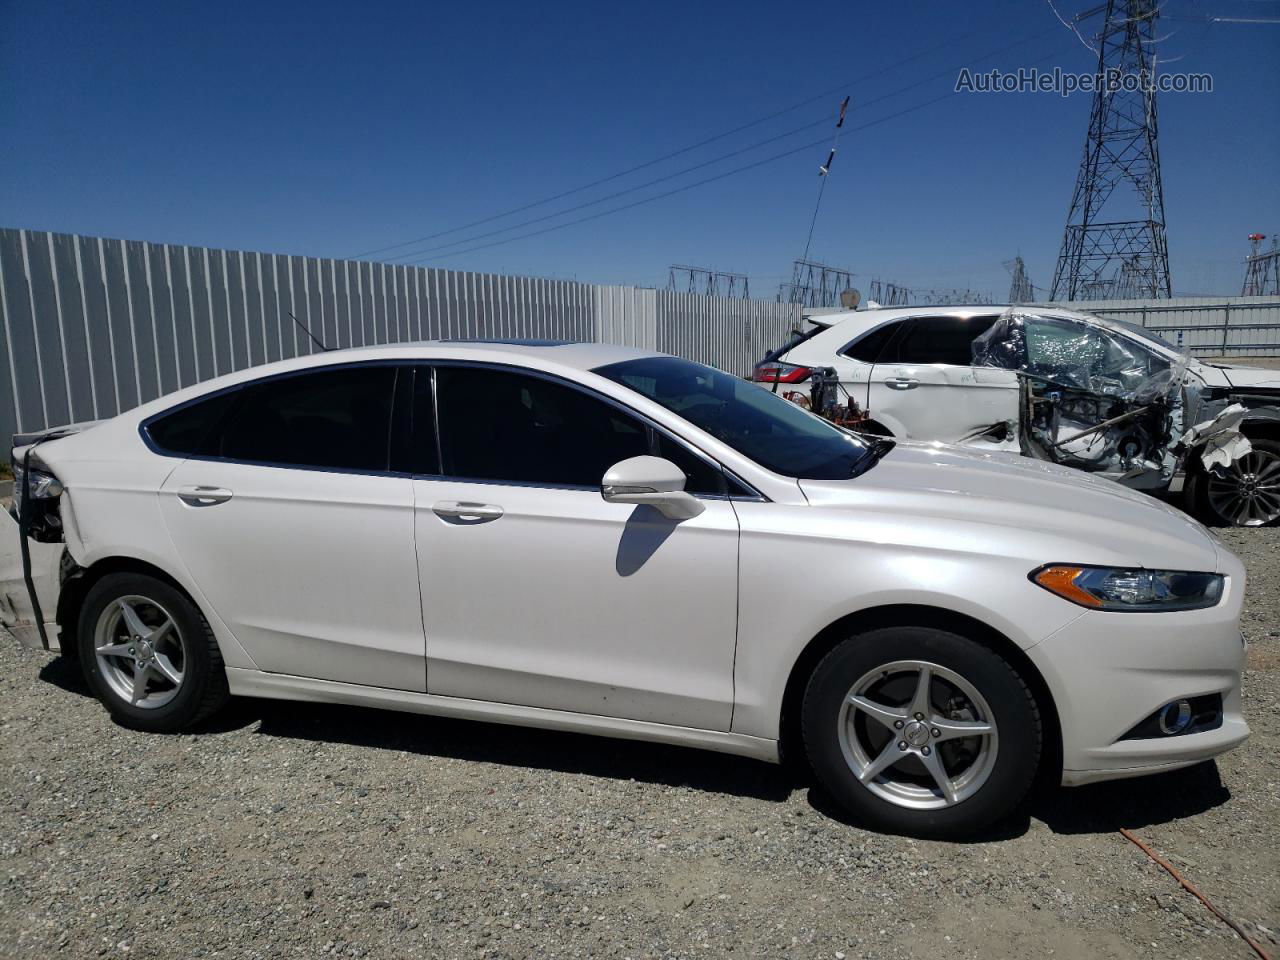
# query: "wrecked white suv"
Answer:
x=1098 y=395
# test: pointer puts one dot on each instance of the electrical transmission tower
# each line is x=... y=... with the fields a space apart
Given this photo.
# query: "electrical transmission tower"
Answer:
x=1115 y=236
x=815 y=284
x=1261 y=269
x=713 y=283
x=889 y=294
x=1020 y=288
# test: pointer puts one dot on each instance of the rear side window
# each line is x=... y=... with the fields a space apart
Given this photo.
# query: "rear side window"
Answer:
x=869 y=348
x=188 y=430
x=941 y=340
x=337 y=419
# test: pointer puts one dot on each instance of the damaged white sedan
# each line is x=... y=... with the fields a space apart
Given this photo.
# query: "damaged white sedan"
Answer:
x=608 y=540
x=1097 y=395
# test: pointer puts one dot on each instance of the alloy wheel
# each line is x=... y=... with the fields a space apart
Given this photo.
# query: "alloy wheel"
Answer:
x=1247 y=493
x=918 y=735
x=140 y=652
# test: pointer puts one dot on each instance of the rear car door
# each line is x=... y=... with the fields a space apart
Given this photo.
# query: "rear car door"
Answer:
x=294 y=528
x=925 y=387
x=535 y=590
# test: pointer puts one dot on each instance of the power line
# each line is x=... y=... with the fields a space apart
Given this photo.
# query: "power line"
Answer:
x=409 y=256
x=689 y=186
x=718 y=136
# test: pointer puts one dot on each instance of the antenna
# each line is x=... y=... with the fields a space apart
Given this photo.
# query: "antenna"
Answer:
x=307 y=331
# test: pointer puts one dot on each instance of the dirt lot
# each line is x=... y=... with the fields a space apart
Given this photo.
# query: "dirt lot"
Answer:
x=295 y=830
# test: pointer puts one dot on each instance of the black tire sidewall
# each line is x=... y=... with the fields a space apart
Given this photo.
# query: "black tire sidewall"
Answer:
x=1014 y=712
x=186 y=707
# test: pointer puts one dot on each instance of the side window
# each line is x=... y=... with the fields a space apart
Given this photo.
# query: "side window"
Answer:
x=869 y=348
x=188 y=431
x=330 y=418
x=700 y=476
x=942 y=340
x=501 y=426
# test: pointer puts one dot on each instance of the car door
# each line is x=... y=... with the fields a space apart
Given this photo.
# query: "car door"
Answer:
x=537 y=592
x=294 y=528
x=925 y=387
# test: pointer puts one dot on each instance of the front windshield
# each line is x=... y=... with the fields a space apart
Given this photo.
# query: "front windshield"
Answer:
x=773 y=432
x=1142 y=333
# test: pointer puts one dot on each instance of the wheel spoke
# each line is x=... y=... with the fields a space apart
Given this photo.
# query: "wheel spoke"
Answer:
x=164 y=666
x=114 y=650
x=133 y=623
x=887 y=758
x=956 y=729
x=920 y=702
x=933 y=763
x=139 y=684
x=161 y=633
x=879 y=712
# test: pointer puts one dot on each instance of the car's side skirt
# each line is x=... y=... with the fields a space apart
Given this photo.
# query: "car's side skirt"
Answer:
x=255 y=683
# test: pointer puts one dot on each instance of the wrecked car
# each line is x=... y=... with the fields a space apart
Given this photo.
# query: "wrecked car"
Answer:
x=1098 y=395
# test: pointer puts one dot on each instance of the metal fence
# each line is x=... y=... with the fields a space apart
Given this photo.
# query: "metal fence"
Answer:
x=1207 y=326
x=93 y=326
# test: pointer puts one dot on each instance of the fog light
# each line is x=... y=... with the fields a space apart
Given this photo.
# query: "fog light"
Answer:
x=1175 y=717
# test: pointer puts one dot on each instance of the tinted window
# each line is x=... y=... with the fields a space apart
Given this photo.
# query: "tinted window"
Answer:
x=941 y=340
x=869 y=348
x=501 y=426
x=187 y=430
x=773 y=432
x=331 y=418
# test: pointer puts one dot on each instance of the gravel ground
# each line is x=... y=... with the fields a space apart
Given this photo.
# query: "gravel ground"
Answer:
x=297 y=830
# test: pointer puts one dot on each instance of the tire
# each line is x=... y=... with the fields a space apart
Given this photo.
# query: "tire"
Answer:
x=184 y=651
x=1225 y=500
x=990 y=773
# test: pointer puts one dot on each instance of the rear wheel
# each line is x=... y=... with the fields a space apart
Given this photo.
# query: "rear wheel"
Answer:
x=1244 y=494
x=921 y=731
x=148 y=654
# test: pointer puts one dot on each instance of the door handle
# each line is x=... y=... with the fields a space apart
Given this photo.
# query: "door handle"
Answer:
x=464 y=512
x=203 y=496
x=902 y=383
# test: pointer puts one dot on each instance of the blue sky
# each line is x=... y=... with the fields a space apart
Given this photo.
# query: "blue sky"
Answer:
x=333 y=129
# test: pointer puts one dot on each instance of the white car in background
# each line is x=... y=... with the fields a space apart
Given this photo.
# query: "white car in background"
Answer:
x=603 y=539
x=1070 y=388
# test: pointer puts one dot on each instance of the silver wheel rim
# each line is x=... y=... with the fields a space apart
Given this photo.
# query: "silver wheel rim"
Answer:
x=140 y=652
x=918 y=735
x=1247 y=493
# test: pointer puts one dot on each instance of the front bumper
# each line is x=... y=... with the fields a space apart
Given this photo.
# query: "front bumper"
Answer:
x=1109 y=671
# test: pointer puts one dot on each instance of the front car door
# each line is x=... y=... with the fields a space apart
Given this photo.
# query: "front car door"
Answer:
x=537 y=592
x=924 y=385
x=293 y=527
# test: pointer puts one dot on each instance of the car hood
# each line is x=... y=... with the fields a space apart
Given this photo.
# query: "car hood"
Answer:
x=1047 y=511
x=1227 y=375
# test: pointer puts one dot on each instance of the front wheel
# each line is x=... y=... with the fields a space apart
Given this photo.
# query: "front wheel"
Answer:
x=148 y=654
x=1246 y=493
x=921 y=731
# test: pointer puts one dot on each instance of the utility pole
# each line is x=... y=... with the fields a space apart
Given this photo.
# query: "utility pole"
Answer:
x=1115 y=235
x=1261 y=269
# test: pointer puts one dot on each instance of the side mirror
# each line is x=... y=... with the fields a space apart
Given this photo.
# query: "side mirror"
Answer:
x=651 y=482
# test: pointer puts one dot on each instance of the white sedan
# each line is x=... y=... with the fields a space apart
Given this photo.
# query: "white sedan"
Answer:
x=608 y=540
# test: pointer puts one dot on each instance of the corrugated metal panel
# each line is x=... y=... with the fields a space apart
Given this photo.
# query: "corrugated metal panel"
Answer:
x=92 y=326
x=1207 y=326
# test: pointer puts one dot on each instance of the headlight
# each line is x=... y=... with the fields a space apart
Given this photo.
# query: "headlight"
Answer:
x=1136 y=590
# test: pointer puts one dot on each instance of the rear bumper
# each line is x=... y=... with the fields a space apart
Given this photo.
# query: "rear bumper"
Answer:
x=1109 y=671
